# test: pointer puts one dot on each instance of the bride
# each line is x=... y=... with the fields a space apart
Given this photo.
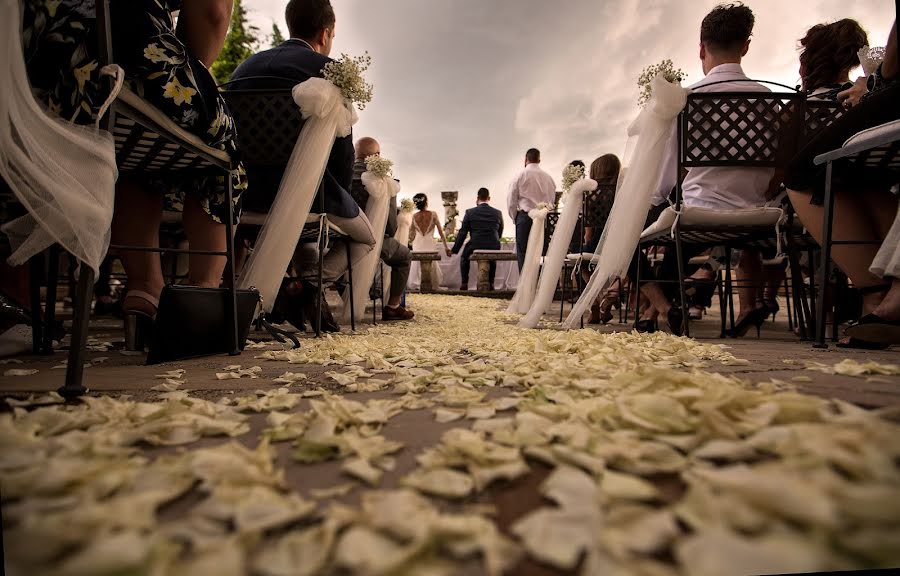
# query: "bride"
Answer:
x=424 y=223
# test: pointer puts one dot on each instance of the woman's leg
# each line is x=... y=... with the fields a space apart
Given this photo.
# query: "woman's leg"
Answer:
x=864 y=216
x=204 y=233
x=751 y=270
x=136 y=222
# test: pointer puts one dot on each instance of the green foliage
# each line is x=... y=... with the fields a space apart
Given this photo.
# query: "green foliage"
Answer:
x=276 y=36
x=240 y=43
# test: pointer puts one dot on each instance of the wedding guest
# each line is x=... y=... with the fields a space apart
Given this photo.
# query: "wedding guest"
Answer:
x=605 y=172
x=864 y=208
x=531 y=187
x=829 y=52
x=311 y=24
x=60 y=45
x=396 y=255
x=485 y=224
x=724 y=41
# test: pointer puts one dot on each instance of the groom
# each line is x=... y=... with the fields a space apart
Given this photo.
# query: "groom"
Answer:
x=486 y=227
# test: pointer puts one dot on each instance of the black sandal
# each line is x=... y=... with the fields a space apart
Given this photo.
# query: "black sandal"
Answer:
x=872 y=328
x=857 y=344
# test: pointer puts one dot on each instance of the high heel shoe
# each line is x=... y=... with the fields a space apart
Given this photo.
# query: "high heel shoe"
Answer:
x=645 y=326
x=139 y=313
x=755 y=318
x=675 y=318
x=771 y=307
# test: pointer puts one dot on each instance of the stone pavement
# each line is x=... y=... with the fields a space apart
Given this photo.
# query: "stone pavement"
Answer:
x=777 y=356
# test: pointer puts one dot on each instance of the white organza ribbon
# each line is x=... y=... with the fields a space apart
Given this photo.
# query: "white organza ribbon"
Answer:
x=328 y=115
x=63 y=174
x=381 y=190
x=636 y=186
x=556 y=253
x=524 y=295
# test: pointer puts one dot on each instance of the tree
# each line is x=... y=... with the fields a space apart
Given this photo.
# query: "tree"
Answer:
x=240 y=43
x=276 y=36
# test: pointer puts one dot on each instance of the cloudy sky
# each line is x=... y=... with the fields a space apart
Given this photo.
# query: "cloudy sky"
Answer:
x=464 y=87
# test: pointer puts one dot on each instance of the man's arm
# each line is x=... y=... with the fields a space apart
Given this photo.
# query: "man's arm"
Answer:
x=461 y=236
x=391 y=228
x=500 y=217
x=512 y=199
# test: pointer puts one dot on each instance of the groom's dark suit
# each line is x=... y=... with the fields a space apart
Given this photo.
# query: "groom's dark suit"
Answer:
x=485 y=225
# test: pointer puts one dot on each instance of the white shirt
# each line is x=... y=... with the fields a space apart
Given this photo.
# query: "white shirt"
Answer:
x=719 y=188
x=531 y=187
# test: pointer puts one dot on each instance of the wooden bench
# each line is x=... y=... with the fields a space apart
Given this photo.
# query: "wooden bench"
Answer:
x=484 y=259
x=426 y=260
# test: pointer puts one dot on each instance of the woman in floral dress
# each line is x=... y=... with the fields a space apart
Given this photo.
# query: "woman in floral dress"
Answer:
x=168 y=66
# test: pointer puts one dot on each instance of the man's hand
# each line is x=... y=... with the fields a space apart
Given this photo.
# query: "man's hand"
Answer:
x=852 y=96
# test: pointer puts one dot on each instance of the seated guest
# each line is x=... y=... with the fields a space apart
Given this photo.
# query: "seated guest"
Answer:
x=485 y=224
x=864 y=208
x=393 y=253
x=829 y=53
x=724 y=41
x=60 y=44
x=311 y=24
x=605 y=172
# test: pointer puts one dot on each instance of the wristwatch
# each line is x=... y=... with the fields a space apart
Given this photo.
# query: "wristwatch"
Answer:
x=875 y=82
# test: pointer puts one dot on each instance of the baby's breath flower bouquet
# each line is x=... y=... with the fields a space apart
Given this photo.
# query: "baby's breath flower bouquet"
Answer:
x=542 y=206
x=571 y=175
x=347 y=74
x=870 y=58
x=378 y=166
x=406 y=205
x=668 y=71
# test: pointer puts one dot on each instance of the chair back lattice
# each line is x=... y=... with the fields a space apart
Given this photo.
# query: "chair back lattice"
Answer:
x=740 y=129
x=820 y=114
x=142 y=148
x=550 y=229
x=597 y=206
x=268 y=123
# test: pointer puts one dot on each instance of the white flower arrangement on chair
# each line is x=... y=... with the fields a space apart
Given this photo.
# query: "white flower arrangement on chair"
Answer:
x=571 y=175
x=406 y=206
x=379 y=167
x=668 y=71
x=347 y=73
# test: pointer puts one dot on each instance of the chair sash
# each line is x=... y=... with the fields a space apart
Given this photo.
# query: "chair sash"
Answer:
x=525 y=291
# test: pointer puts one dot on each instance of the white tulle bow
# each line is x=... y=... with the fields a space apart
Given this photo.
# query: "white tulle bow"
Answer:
x=320 y=98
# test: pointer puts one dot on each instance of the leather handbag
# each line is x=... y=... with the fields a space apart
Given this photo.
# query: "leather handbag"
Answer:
x=192 y=322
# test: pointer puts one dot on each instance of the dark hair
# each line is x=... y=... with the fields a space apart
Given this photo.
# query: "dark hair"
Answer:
x=577 y=163
x=533 y=155
x=605 y=169
x=727 y=28
x=421 y=201
x=306 y=18
x=484 y=194
x=829 y=51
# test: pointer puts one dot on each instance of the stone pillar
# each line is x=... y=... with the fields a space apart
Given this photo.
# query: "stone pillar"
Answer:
x=425 y=284
x=450 y=212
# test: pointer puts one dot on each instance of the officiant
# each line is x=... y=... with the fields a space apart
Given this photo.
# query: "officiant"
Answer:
x=485 y=224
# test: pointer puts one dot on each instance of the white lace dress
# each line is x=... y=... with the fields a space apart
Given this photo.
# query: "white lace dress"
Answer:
x=424 y=241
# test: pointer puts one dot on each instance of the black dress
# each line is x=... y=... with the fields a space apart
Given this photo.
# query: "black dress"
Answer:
x=60 y=44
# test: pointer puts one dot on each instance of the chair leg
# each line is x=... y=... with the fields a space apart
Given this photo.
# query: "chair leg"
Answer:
x=50 y=304
x=350 y=281
x=36 y=265
x=720 y=288
x=787 y=300
x=679 y=253
x=231 y=317
x=729 y=285
x=81 y=308
x=637 y=287
x=320 y=301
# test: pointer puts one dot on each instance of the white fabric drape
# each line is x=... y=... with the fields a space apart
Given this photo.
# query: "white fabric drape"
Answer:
x=524 y=295
x=887 y=262
x=63 y=174
x=328 y=115
x=635 y=189
x=380 y=190
x=556 y=253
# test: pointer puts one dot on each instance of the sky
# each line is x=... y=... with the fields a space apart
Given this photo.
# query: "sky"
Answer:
x=464 y=87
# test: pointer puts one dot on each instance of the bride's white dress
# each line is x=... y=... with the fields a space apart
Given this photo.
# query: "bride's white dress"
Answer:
x=424 y=241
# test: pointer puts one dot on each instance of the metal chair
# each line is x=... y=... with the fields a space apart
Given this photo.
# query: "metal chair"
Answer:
x=269 y=123
x=728 y=129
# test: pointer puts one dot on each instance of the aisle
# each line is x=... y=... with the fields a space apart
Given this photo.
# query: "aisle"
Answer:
x=455 y=444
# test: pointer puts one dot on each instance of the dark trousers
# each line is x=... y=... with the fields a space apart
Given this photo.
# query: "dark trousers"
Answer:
x=523 y=229
x=465 y=263
x=399 y=259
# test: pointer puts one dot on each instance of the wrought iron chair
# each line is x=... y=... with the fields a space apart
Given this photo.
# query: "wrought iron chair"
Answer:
x=269 y=123
x=727 y=129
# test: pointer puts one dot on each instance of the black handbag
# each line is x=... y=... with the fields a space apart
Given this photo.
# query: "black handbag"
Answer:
x=192 y=322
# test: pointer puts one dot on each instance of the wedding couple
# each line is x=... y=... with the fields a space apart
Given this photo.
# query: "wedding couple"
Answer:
x=483 y=223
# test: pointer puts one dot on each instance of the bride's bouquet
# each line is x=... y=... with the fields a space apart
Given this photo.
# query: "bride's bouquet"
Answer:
x=347 y=74
x=668 y=71
x=571 y=175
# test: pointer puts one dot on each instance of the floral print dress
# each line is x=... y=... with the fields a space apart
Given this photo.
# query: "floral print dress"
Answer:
x=60 y=45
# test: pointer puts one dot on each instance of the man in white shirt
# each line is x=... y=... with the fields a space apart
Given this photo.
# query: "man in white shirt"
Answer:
x=724 y=41
x=531 y=187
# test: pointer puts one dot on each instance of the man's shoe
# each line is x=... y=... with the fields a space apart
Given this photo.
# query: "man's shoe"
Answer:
x=310 y=300
x=464 y=287
x=399 y=313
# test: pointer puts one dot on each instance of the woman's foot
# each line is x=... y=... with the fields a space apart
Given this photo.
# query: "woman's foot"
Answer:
x=754 y=318
x=771 y=307
x=139 y=309
x=857 y=344
x=696 y=312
